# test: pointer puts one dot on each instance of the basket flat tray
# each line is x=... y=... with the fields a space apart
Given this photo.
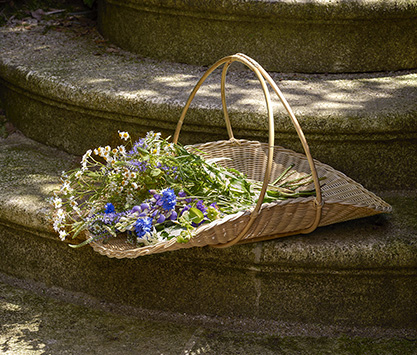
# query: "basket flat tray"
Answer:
x=343 y=198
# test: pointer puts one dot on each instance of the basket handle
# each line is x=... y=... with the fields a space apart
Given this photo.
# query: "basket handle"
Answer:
x=262 y=76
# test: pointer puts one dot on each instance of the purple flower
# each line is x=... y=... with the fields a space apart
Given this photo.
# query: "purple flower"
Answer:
x=139 y=144
x=173 y=216
x=109 y=208
x=144 y=206
x=169 y=200
x=139 y=166
x=136 y=209
x=200 y=205
x=186 y=208
x=161 y=219
x=143 y=226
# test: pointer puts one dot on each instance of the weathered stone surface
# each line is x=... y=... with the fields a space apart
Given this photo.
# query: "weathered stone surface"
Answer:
x=29 y=173
x=357 y=274
x=287 y=36
x=361 y=124
x=37 y=319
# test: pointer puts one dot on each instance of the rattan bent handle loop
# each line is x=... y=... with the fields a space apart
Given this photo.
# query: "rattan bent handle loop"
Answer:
x=228 y=60
x=261 y=74
x=296 y=125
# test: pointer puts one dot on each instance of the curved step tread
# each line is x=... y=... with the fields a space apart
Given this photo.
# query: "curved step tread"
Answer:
x=315 y=36
x=82 y=72
x=71 y=90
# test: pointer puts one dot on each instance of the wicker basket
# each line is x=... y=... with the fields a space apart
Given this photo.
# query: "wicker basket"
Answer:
x=340 y=199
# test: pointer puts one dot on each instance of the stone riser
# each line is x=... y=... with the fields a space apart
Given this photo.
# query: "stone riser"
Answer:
x=379 y=162
x=297 y=36
x=208 y=282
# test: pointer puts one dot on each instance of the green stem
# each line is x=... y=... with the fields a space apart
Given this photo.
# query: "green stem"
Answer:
x=283 y=174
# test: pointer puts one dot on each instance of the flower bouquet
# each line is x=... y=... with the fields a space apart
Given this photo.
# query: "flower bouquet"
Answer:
x=151 y=191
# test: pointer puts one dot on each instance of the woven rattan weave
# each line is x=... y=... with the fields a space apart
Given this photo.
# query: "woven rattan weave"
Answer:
x=340 y=199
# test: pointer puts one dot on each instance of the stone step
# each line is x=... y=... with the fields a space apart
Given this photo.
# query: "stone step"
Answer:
x=65 y=322
x=67 y=88
x=312 y=36
x=357 y=276
x=62 y=322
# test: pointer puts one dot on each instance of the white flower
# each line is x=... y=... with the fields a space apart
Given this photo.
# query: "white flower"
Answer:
x=62 y=235
x=86 y=156
x=169 y=148
x=66 y=188
x=122 y=150
x=156 y=150
x=57 y=226
x=57 y=202
x=135 y=185
x=124 y=135
x=84 y=166
x=60 y=216
x=110 y=161
x=151 y=135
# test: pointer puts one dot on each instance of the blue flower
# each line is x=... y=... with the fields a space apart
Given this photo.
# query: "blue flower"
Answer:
x=109 y=208
x=143 y=226
x=169 y=200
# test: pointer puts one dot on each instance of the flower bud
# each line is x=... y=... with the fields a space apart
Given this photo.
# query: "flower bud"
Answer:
x=161 y=219
x=144 y=206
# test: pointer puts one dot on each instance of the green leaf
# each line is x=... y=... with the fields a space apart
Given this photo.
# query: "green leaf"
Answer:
x=195 y=215
x=156 y=172
x=143 y=152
